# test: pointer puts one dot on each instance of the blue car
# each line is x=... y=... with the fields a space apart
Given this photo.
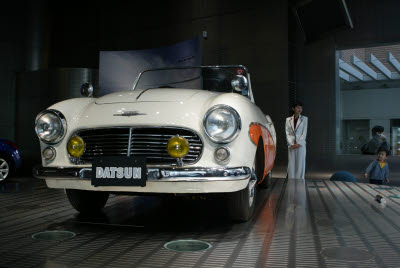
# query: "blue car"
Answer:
x=10 y=159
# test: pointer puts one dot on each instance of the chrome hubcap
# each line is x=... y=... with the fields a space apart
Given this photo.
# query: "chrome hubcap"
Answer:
x=4 y=169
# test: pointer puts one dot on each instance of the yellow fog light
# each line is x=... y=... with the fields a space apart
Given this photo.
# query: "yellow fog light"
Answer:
x=76 y=146
x=177 y=147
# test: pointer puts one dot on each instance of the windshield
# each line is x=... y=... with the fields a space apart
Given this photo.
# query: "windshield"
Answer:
x=218 y=79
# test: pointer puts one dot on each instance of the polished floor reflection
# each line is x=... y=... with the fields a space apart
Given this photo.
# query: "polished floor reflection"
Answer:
x=312 y=223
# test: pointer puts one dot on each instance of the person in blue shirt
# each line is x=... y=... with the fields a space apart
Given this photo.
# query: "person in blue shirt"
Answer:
x=378 y=170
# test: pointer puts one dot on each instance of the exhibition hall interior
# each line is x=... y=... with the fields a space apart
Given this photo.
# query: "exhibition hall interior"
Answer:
x=200 y=133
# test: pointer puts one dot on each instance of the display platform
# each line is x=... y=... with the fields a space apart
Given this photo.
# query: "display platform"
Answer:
x=316 y=223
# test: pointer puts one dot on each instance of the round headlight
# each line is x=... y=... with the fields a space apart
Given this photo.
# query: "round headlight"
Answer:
x=50 y=126
x=222 y=124
x=76 y=146
x=178 y=147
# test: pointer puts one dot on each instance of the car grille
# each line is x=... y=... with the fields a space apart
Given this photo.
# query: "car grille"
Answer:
x=145 y=142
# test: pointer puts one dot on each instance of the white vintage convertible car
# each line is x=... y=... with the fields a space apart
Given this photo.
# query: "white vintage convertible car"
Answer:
x=180 y=130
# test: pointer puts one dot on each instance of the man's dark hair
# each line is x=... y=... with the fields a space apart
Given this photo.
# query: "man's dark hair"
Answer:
x=378 y=129
x=381 y=149
x=297 y=103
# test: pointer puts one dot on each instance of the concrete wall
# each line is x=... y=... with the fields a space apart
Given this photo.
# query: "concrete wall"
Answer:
x=12 y=44
x=316 y=89
x=371 y=104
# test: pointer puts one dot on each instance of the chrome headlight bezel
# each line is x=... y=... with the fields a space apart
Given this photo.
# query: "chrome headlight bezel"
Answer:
x=62 y=130
x=237 y=120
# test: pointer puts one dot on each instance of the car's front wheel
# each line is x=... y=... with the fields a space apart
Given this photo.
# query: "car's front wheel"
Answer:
x=242 y=203
x=87 y=201
x=5 y=168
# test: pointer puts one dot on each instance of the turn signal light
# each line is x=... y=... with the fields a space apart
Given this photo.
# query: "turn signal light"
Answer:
x=49 y=153
x=178 y=147
x=76 y=146
x=221 y=154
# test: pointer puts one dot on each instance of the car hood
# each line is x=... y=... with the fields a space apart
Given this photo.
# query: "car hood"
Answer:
x=167 y=108
x=149 y=95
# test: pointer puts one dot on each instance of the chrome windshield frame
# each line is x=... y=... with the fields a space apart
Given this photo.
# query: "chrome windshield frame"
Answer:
x=249 y=93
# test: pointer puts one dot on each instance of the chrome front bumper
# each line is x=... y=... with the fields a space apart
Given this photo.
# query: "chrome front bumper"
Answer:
x=193 y=174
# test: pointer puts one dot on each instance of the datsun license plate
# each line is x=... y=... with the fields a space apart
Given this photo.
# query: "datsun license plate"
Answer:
x=119 y=171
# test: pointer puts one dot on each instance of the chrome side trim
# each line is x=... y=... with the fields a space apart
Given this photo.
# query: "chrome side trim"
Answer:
x=250 y=91
x=130 y=113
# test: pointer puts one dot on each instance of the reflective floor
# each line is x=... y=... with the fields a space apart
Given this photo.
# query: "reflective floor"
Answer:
x=316 y=223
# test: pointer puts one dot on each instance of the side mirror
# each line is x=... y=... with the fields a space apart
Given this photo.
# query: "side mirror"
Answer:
x=87 y=89
x=239 y=83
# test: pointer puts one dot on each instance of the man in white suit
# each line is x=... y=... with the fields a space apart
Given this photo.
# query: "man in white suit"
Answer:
x=296 y=133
